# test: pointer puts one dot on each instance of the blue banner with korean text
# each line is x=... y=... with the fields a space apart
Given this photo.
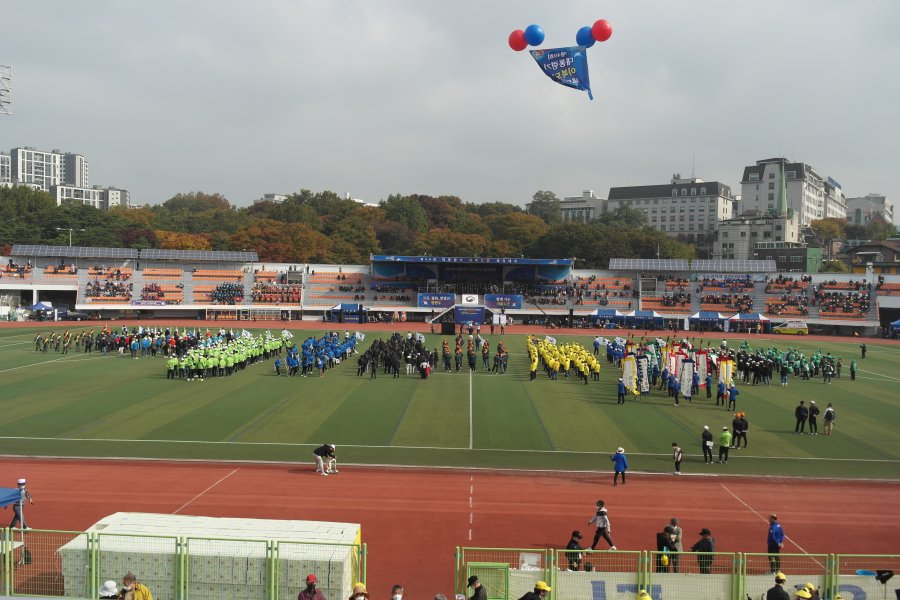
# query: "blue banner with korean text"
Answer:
x=503 y=300
x=436 y=300
x=565 y=66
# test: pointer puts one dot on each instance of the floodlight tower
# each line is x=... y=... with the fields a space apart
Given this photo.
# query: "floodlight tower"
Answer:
x=5 y=90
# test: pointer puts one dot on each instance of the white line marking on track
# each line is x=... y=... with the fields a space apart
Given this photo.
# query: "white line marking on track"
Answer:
x=471 y=512
x=766 y=520
x=204 y=491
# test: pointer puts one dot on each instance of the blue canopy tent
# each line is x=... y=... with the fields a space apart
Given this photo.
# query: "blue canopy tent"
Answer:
x=607 y=315
x=895 y=326
x=749 y=322
x=644 y=318
x=706 y=320
x=40 y=306
x=349 y=313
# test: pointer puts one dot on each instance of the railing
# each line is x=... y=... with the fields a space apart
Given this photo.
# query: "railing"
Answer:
x=74 y=564
x=508 y=573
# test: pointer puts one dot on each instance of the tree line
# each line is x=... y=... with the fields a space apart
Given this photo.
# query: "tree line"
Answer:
x=323 y=227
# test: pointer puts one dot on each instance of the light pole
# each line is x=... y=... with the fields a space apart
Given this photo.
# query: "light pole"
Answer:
x=70 y=230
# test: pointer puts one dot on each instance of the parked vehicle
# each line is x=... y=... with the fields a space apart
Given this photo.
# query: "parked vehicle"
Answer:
x=791 y=328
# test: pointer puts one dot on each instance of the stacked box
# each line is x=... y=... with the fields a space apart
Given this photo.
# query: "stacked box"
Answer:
x=225 y=557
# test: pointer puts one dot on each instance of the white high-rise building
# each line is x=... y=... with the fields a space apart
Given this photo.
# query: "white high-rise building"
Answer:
x=861 y=211
x=765 y=191
x=5 y=169
x=74 y=170
x=33 y=167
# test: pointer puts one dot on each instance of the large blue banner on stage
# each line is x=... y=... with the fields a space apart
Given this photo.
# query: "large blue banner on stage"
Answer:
x=436 y=300
x=565 y=66
x=503 y=300
x=469 y=314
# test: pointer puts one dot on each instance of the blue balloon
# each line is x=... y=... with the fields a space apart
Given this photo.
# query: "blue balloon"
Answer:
x=534 y=35
x=585 y=37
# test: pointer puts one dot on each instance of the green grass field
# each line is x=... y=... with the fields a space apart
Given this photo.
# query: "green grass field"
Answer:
x=86 y=405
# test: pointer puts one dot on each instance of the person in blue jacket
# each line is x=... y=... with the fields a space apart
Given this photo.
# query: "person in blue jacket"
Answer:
x=621 y=465
x=733 y=393
x=621 y=392
x=708 y=386
x=278 y=366
x=720 y=393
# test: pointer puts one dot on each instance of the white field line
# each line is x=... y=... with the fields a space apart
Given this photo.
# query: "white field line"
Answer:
x=448 y=448
x=44 y=362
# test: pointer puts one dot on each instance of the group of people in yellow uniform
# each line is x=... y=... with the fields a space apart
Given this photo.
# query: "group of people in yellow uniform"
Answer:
x=563 y=358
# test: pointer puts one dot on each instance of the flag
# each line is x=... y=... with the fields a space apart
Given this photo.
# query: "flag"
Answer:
x=565 y=66
x=246 y=334
x=420 y=337
x=360 y=336
x=549 y=339
x=287 y=334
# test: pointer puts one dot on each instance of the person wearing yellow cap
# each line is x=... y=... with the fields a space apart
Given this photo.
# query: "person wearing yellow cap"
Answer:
x=777 y=591
x=540 y=591
x=802 y=593
x=811 y=588
x=643 y=594
x=359 y=592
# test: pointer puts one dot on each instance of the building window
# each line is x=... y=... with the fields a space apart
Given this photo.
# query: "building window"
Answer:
x=790 y=174
x=754 y=176
x=684 y=192
x=771 y=175
x=724 y=234
x=782 y=258
x=703 y=191
x=796 y=259
x=771 y=185
x=693 y=191
x=771 y=197
x=743 y=234
x=674 y=193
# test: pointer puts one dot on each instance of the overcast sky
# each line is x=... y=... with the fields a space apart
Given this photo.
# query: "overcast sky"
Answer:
x=374 y=97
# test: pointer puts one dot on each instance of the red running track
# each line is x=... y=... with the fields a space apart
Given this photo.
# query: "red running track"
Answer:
x=413 y=518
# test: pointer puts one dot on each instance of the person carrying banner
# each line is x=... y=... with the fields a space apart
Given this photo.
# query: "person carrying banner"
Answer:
x=18 y=516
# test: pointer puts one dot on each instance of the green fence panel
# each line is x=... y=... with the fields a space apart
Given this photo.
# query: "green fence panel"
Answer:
x=225 y=568
x=855 y=575
x=577 y=574
x=51 y=563
x=526 y=566
x=799 y=569
x=696 y=575
x=336 y=566
x=153 y=560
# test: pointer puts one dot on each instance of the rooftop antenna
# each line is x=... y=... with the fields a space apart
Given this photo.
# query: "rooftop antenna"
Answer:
x=5 y=90
x=693 y=161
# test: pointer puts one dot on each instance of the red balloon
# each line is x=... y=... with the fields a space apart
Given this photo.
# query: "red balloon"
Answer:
x=517 y=40
x=601 y=30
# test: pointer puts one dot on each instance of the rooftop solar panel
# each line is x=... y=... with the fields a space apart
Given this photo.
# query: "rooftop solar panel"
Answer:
x=41 y=250
x=199 y=255
x=648 y=264
x=733 y=265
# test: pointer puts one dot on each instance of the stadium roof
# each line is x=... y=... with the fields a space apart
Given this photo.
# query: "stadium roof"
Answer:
x=198 y=255
x=39 y=250
x=648 y=264
x=563 y=262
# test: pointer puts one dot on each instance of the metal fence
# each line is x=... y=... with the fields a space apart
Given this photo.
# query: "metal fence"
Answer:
x=616 y=575
x=75 y=564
